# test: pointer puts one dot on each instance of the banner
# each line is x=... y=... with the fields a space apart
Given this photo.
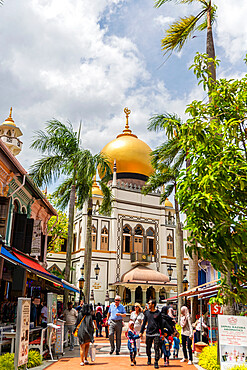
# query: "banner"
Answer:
x=22 y=331
x=52 y=313
x=36 y=239
x=232 y=340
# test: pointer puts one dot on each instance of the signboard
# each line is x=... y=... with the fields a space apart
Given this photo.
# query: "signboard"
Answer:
x=216 y=309
x=233 y=340
x=36 y=239
x=59 y=337
x=52 y=313
x=22 y=331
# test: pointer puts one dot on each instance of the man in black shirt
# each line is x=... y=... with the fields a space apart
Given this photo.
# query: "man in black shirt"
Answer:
x=153 y=319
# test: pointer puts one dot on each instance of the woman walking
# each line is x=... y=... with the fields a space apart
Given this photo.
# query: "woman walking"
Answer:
x=137 y=317
x=187 y=334
x=167 y=320
x=85 y=327
x=99 y=321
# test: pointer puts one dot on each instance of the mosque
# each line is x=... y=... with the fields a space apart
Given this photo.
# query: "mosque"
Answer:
x=134 y=247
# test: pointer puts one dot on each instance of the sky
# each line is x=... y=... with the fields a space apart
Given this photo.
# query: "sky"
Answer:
x=85 y=60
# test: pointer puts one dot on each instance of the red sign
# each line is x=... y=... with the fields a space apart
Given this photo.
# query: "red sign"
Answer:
x=216 y=309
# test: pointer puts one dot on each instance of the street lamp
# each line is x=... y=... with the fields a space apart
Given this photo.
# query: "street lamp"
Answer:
x=97 y=270
x=82 y=269
x=185 y=284
x=170 y=271
x=81 y=285
x=185 y=271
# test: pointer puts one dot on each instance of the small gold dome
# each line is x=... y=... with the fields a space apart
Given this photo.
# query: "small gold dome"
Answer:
x=168 y=203
x=95 y=188
x=132 y=154
x=9 y=120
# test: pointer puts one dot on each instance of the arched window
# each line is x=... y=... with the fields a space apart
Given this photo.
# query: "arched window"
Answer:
x=138 y=239
x=127 y=239
x=94 y=237
x=80 y=235
x=8 y=133
x=170 y=246
x=74 y=242
x=151 y=247
x=24 y=211
x=16 y=206
x=104 y=239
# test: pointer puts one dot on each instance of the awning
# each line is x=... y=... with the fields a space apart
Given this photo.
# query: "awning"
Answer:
x=17 y=258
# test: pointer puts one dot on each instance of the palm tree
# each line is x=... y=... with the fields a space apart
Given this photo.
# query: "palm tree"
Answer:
x=167 y=161
x=64 y=158
x=183 y=29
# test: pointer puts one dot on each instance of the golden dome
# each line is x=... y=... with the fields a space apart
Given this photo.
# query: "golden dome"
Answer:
x=9 y=120
x=95 y=188
x=132 y=154
x=168 y=203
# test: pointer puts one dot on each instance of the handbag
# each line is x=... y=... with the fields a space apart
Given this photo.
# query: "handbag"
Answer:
x=92 y=352
x=77 y=328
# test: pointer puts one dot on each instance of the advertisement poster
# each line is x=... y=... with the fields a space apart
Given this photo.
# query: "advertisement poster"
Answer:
x=36 y=239
x=59 y=337
x=52 y=312
x=233 y=340
x=22 y=331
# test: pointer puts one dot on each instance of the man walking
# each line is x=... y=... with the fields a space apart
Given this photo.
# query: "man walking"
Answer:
x=153 y=319
x=115 y=319
x=70 y=316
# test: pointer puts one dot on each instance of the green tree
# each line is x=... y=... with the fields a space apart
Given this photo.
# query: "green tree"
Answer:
x=183 y=29
x=167 y=160
x=213 y=190
x=63 y=158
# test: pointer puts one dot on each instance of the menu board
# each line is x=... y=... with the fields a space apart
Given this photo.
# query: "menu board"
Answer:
x=233 y=340
x=22 y=331
x=36 y=239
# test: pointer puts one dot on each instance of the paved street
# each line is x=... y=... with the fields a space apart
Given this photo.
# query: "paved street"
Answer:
x=71 y=359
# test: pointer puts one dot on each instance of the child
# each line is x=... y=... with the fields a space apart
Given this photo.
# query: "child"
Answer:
x=176 y=343
x=132 y=336
x=166 y=348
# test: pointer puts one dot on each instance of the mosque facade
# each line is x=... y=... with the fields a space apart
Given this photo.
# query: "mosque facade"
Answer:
x=134 y=247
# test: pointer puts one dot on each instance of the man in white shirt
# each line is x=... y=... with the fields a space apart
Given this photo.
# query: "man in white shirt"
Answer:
x=70 y=316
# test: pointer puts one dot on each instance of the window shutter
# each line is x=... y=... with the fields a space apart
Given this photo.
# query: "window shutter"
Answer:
x=20 y=222
x=28 y=236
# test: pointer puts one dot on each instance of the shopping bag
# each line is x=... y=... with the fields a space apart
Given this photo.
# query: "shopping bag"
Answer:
x=92 y=352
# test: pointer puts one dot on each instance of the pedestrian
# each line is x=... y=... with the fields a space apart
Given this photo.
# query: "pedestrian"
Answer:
x=85 y=327
x=79 y=307
x=99 y=321
x=44 y=315
x=167 y=321
x=201 y=327
x=70 y=317
x=176 y=345
x=132 y=337
x=115 y=319
x=166 y=348
x=137 y=317
x=33 y=313
x=187 y=334
x=153 y=319
x=105 y=322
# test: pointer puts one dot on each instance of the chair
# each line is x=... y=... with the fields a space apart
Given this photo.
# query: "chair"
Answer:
x=38 y=344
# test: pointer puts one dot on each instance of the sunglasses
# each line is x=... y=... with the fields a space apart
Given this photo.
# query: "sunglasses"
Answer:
x=117 y=300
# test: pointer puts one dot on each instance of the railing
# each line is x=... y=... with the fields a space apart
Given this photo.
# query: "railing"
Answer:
x=12 y=140
x=142 y=257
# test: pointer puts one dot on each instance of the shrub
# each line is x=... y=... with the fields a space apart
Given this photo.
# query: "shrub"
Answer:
x=208 y=358
x=7 y=360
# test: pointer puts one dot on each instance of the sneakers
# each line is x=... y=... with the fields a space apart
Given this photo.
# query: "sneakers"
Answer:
x=190 y=363
x=132 y=364
x=86 y=362
x=156 y=365
x=183 y=360
x=82 y=363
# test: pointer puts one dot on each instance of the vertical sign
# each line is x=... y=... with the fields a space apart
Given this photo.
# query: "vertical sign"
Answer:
x=36 y=239
x=22 y=331
x=233 y=340
x=52 y=313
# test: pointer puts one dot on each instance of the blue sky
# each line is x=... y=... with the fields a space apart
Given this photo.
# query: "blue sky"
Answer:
x=85 y=60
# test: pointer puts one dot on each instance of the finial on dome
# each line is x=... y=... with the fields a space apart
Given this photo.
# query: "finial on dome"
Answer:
x=127 y=111
x=10 y=116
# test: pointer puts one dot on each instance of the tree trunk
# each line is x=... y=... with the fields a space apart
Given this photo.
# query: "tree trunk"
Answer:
x=179 y=255
x=210 y=43
x=229 y=308
x=88 y=251
x=70 y=240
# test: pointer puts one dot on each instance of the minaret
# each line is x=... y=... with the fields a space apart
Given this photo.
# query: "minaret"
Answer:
x=9 y=134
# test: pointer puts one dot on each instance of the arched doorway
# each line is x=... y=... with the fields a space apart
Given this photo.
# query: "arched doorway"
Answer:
x=138 y=295
x=150 y=293
x=126 y=295
x=162 y=294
